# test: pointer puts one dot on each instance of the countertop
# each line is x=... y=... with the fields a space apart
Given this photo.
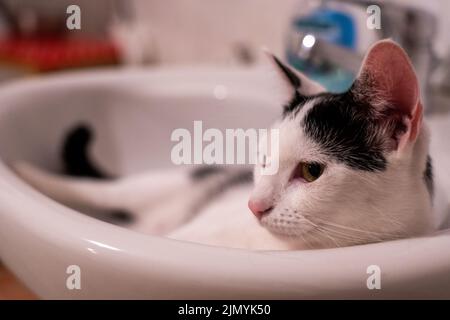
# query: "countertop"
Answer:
x=11 y=288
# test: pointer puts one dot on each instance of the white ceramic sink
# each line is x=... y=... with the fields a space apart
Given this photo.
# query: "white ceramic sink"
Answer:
x=134 y=113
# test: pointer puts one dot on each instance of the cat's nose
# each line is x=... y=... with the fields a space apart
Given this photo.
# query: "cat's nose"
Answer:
x=259 y=207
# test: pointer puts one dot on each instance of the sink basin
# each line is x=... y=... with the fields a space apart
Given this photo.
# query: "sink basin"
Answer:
x=134 y=113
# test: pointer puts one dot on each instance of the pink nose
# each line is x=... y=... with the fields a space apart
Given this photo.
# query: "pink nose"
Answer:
x=259 y=207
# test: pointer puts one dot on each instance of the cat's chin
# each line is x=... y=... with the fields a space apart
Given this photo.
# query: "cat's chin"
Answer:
x=292 y=241
x=286 y=231
x=300 y=241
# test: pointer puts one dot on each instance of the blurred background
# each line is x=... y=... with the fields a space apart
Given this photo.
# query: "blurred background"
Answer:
x=324 y=39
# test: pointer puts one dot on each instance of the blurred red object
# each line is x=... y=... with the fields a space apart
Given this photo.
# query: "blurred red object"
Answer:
x=51 y=54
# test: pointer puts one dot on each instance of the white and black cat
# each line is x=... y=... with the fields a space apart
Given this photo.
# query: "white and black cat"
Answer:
x=353 y=169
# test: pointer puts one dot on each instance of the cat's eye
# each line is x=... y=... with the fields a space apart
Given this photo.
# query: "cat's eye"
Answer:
x=309 y=171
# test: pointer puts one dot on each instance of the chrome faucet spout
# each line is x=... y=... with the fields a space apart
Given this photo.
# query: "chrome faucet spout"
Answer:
x=412 y=28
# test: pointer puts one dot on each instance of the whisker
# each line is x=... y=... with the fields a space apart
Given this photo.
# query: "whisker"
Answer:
x=375 y=233
x=343 y=235
x=323 y=232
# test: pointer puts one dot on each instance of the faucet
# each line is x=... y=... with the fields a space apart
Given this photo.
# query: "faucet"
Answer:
x=412 y=28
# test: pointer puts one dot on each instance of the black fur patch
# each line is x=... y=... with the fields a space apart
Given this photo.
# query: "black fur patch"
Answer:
x=243 y=177
x=345 y=129
x=77 y=163
x=428 y=176
x=121 y=217
x=75 y=154
x=203 y=172
x=290 y=75
x=296 y=103
x=232 y=177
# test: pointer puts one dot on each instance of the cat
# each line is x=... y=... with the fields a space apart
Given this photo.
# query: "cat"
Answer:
x=354 y=169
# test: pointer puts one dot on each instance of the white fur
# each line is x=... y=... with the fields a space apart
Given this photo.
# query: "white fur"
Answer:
x=344 y=206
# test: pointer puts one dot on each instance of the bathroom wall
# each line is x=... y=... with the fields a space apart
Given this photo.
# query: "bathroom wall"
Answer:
x=204 y=31
x=214 y=30
x=211 y=31
x=441 y=8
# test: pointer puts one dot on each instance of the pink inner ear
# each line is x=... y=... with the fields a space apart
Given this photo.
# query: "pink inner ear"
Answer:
x=413 y=127
x=392 y=76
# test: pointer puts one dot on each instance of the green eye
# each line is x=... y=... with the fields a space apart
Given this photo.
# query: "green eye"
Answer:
x=311 y=171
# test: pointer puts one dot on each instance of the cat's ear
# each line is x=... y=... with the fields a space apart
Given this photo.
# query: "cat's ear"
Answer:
x=291 y=80
x=387 y=77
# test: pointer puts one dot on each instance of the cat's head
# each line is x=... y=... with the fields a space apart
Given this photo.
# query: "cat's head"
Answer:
x=351 y=165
